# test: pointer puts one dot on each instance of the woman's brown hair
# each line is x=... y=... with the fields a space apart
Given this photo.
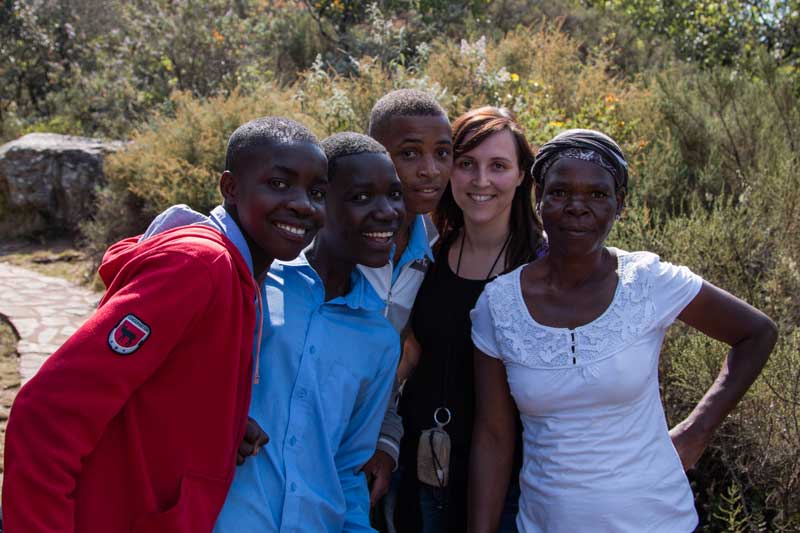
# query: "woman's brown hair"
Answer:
x=469 y=131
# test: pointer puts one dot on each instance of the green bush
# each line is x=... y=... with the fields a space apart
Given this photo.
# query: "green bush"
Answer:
x=715 y=177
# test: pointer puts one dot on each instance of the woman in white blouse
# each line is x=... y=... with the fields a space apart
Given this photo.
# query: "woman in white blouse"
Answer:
x=574 y=339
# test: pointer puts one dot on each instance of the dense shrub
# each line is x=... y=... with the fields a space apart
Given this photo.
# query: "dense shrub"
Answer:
x=717 y=188
x=715 y=178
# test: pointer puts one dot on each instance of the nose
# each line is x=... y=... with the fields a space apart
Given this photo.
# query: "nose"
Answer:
x=428 y=167
x=301 y=204
x=385 y=211
x=576 y=205
x=480 y=177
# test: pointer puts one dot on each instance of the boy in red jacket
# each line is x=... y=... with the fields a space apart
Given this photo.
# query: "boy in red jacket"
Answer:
x=134 y=423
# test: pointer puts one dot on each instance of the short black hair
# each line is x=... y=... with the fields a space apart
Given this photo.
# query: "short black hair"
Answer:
x=403 y=103
x=260 y=133
x=348 y=143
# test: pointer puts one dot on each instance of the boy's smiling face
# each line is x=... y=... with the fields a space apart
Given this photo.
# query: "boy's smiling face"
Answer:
x=421 y=148
x=278 y=199
x=364 y=209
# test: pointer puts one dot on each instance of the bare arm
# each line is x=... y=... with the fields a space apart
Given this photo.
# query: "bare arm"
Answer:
x=751 y=335
x=387 y=453
x=492 y=444
x=410 y=358
x=385 y=459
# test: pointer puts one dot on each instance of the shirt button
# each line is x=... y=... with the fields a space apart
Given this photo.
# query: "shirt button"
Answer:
x=293 y=441
x=312 y=350
x=293 y=487
x=301 y=393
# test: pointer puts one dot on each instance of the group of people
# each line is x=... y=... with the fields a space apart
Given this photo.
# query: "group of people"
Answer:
x=418 y=329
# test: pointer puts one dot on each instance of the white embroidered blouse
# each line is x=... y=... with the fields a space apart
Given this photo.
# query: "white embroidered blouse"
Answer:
x=597 y=453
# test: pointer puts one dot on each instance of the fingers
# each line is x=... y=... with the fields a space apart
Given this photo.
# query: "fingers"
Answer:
x=246 y=449
x=380 y=486
x=252 y=431
x=254 y=438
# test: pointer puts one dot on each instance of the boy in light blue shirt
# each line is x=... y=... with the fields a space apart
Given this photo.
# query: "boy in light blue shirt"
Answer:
x=332 y=357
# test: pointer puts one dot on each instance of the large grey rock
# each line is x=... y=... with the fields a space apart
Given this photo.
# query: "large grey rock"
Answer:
x=55 y=175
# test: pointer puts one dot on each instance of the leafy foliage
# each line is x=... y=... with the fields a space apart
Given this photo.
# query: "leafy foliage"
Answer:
x=702 y=96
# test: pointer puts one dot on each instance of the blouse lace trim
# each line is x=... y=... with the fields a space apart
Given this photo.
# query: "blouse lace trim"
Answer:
x=523 y=340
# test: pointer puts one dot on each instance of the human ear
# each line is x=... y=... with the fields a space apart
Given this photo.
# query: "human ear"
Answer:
x=228 y=186
x=620 y=203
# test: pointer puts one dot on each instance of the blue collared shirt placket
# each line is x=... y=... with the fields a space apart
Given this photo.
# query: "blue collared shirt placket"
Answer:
x=325 y=381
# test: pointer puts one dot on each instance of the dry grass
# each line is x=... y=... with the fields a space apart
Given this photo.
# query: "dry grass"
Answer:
x=9 y=380
x=60 y=259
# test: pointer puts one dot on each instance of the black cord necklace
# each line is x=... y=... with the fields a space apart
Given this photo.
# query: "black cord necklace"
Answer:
x=496 y=259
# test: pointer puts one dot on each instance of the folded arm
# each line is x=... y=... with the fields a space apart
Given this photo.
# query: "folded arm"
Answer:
x=751 y=335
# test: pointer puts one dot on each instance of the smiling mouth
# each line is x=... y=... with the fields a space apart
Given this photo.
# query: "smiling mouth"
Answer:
x=480 y=198
x=298 y=231
x=381 y=237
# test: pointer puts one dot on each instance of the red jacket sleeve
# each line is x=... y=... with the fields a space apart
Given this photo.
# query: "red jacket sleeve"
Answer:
x=60 y=415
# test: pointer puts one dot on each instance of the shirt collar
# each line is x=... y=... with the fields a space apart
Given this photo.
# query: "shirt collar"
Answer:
x=225 y=223
x=422 y=237
x=361 y=295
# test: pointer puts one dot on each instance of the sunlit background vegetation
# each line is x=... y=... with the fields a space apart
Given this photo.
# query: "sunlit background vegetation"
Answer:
x=703 y=97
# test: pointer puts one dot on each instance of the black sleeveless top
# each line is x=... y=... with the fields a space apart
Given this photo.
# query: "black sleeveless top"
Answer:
x=444 y=376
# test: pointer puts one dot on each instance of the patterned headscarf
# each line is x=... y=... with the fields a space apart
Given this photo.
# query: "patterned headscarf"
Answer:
x=586 y=145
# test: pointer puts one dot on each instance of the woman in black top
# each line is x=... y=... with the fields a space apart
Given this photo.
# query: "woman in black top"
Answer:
x=487 y=226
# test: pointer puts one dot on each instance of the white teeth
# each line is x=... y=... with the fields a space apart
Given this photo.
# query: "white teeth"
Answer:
x=481 y=197
x=379 y=234
x=428 y=190
x=291 y=229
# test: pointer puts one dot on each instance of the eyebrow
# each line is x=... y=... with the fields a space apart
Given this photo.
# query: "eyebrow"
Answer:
x=417 y=140
x=561 y=182
x=287 y=170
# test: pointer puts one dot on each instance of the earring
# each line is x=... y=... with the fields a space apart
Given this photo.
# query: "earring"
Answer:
x=618 y=217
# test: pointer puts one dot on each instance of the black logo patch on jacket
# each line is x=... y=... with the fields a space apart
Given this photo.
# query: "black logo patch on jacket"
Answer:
x=128 y=335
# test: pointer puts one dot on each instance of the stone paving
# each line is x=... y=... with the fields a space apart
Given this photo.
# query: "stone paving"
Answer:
x=44 y=310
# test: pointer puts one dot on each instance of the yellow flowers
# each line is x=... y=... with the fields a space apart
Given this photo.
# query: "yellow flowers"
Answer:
x=514 y=77
x=556 y=124
x=217 y=36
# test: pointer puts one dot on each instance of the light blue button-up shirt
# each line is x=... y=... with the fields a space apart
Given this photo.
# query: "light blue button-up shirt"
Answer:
x=327 y=372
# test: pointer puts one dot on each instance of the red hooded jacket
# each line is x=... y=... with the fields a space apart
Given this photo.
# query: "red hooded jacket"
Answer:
x=134 y=423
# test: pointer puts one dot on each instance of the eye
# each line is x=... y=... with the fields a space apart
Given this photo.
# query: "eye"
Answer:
x=498 y=165
x=278 y=184
x=558 y=193
x=396 y=195
x=443 y=153
x=408 y=154
x=464 y=163
x=360 y=197
x=599 y=195
x=317 y=195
